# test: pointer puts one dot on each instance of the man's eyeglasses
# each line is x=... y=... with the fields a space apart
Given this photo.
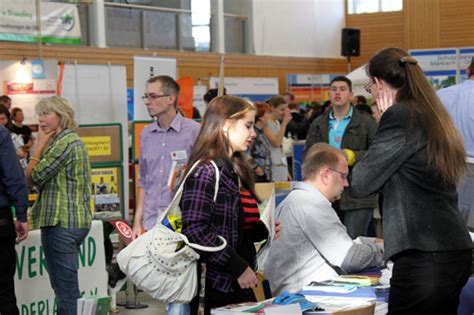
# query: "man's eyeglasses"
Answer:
x=368 y=87
x=343 y=175
x=152 y=97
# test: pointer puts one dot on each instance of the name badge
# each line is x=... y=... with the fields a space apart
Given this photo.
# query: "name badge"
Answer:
x=179 y=155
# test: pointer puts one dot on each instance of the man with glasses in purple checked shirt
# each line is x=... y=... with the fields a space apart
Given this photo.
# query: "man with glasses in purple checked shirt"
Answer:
x=169 y=139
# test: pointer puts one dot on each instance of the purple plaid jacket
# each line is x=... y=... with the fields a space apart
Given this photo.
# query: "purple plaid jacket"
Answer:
x=203 y=220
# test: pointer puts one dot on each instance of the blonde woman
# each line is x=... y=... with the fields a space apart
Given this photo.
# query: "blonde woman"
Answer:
x=61 y=170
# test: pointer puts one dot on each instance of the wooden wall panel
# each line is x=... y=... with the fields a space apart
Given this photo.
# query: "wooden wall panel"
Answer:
x=194 y=65
x=378 y=30
x=421 y=24
x=456 y=23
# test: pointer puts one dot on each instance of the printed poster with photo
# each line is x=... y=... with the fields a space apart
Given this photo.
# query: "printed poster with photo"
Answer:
x=105 y=185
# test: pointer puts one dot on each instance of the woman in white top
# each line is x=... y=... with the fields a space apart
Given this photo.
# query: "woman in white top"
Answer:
x=275 y=131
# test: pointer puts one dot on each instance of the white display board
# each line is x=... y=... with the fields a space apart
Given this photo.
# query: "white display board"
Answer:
x=98 y=94
x=198 y=101
x=465 y=58
x=439 y=65
x=33 y=290
x=256 y=89
x=145 y=67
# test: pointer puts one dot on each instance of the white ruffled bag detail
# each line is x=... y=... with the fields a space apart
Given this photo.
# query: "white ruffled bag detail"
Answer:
x=153 y=263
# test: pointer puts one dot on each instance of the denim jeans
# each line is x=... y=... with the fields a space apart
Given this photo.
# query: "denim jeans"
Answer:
x=61 y=247
x=178 y=309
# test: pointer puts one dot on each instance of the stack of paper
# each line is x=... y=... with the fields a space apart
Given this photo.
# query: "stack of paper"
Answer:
x=335 y=303
x=363 y=281
x=93 y=305
x=330 y=286
x=265 y=307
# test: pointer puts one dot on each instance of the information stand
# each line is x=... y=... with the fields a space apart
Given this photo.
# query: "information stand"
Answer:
x=104 y=146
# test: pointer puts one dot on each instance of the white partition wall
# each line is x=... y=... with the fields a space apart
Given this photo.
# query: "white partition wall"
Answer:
x=145 y=67
x=99 y=96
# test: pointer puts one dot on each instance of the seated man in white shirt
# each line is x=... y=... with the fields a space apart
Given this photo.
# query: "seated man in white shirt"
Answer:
x=314 y=243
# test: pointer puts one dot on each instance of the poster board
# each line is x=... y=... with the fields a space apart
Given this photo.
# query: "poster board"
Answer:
x=310 y=87
x=254 y=88
x=465 y=58
x=137 y=128
x=439 y=65
x=107 y=192
x=103 y=142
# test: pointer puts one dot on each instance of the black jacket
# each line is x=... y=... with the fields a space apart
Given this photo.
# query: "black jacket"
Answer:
x=13 y=188
x=420 y=209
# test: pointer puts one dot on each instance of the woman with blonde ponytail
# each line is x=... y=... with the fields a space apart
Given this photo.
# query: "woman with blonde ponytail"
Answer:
x=416 y=160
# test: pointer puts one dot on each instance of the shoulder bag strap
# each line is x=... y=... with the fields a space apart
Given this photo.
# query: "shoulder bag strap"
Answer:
x=175 y=203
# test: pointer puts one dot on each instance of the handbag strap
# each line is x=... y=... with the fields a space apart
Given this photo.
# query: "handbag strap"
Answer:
x=177 y=196
x=202 y=247
x=175 y=203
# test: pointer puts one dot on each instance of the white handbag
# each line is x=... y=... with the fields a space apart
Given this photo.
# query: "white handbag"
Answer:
x=153 y=263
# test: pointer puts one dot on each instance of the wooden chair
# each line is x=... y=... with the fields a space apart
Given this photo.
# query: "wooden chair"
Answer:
x=364 y=310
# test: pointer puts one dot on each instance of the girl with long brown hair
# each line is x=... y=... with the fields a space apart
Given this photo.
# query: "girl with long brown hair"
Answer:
x=416 y=160
x=226 y=134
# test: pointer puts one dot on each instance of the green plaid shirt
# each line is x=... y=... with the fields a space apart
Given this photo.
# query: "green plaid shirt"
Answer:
x=64 y=179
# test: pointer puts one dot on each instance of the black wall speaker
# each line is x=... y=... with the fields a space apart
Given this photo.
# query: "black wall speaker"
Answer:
x=350 y=42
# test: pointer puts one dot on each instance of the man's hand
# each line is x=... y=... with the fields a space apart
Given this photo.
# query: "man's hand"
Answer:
x=259 y=171
x=248 y=279
x=278 y=229
x=136 y=231
x=378 y=241
x=21 y=229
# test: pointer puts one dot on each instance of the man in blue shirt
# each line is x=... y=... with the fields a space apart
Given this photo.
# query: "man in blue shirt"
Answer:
x=351 y=130
x=459 y=102
x=13 y=193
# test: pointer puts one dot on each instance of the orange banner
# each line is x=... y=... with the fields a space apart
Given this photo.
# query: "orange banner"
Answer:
x=185 y=102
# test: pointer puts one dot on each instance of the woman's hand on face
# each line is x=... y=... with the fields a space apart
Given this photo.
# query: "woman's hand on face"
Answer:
x=384 y=98
x=286 y=117
x=259 y=171
x=278 y=229
x=44 y=137
x=248 y=279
